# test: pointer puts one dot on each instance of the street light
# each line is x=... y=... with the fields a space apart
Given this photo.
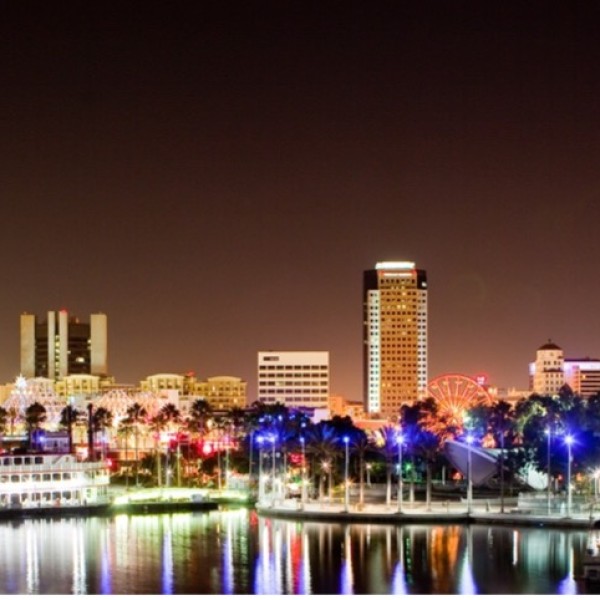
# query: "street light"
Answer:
x=470 y=480
x=549 y=501
x=569 y=441
x=259 y=441
x=346 y=483
x=302 y=441
x=400 y=441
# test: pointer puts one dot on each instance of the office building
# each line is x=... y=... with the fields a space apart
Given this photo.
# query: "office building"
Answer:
x=395 y=337
x=551 y=370
x=296 y=379
x=62 y=345
x=223 y=392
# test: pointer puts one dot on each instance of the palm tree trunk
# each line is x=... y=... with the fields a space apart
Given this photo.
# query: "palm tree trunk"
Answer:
x=158 y=465
x=428 y=493
x=136 y=457
x=126 y=461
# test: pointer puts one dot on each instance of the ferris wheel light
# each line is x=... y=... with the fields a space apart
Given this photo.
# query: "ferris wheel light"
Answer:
x=455 y=394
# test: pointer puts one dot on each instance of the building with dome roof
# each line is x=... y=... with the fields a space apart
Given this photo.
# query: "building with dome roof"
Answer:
x=551 y=370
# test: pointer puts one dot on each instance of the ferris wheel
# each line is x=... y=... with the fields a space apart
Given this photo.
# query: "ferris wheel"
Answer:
x=455 y=394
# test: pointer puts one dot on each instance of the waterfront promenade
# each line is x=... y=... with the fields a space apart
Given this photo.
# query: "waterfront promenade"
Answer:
x=437 y=512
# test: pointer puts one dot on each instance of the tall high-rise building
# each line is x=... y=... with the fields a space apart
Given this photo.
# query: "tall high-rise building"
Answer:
x=395 y=337
x=63 y=345
x=296 y=379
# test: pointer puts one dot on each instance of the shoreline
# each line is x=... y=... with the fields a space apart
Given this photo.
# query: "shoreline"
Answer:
x=105 y=510
x=444 y=514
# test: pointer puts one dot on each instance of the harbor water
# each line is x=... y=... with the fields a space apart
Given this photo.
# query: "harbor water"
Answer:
x=237 y=552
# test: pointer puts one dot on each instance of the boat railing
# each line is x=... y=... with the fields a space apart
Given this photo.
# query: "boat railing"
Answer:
x=52 y=465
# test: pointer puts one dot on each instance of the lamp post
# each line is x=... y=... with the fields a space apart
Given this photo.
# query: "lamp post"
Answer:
x=596 y=484
x=502 y=470
x=548 y=491
x=469 y=478
x=346 y=481
x=226 y=461
x=400 y=441
x=250 y=458
x=302 y=441
x=259 y=441
x=569 y=441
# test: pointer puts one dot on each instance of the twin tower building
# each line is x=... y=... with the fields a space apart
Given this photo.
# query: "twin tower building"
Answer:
x=394 y=336
x=62 y=345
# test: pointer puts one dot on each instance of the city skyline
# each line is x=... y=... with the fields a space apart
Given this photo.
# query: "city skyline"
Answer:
x=216 y=179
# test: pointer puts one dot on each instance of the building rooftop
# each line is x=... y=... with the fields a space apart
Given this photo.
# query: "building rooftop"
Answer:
x=549 y=345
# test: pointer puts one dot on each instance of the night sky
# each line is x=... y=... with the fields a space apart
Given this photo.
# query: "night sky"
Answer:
x=215 y=177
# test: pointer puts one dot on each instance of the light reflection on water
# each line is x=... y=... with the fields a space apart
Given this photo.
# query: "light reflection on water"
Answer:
x=236 y=552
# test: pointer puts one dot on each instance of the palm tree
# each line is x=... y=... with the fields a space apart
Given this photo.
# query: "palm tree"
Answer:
x=13 y=417
x=35 y=415
x=199 y=415
x=386 y=445
x=3 y=420
x=158 y=423
x=322 y=443
x=102 y=420
x=68 y=416
x=425 y=443
x=126 y=427
x=172 y=418
x=136 y=414
x=361 y=444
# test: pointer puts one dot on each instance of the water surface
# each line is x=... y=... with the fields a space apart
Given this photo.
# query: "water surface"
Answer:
x=236 y=552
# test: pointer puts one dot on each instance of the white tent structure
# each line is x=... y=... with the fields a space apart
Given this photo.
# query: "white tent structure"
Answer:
x=484 y=465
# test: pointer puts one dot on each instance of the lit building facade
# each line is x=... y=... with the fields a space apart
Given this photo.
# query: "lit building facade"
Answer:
x=546 y=374
x=551 y=370
x=222 y=393
x=395 y=337
x=296 y=379
x=62 y=345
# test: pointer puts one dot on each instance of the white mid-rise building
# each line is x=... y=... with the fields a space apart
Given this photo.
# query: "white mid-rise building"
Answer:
x=551 y=370
x=296 y=379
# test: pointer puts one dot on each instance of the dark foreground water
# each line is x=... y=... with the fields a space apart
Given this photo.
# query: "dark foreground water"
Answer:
x=240 y=553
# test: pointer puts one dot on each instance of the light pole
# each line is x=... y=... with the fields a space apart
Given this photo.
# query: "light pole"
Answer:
x=226 y=461
x=569 y=441
x=273 y=438
x=502 y=470
x=302 y=441
x=250 y=459
x=548 y=491
x=400 y=441
x=596 y=484
x=470 y=481
x=346 y=481
x=259 y=441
